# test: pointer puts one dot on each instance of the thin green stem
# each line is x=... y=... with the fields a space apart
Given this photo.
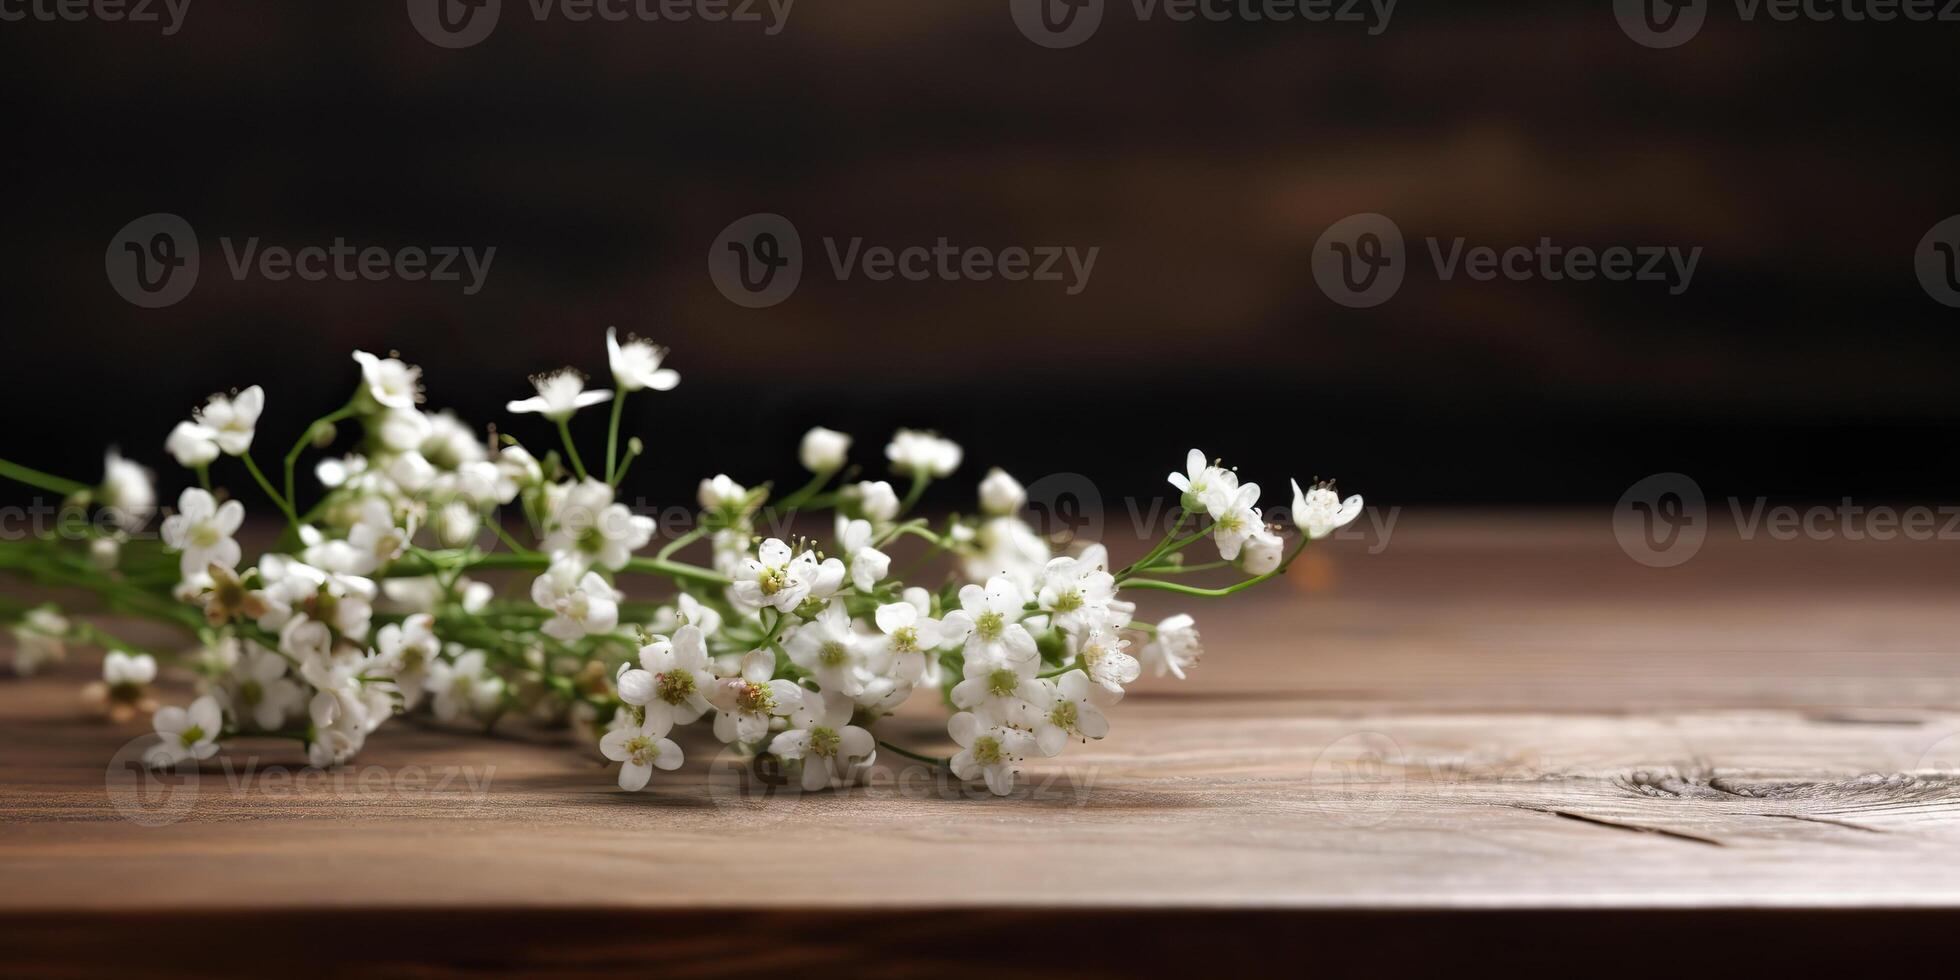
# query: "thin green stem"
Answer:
x=931 y=760
x=264 y=484
x=612 y=435
x=305 y=438
x=683 y=541
x=1182 y=589
x=1065 y=668
x=44 y=481
x=919 y=483
x=571 y=451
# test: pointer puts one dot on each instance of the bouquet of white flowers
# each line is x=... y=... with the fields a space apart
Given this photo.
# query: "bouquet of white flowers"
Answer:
x=365 y=606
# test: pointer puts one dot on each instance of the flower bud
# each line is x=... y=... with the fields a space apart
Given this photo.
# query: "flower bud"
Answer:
x=823 y=450
x=1262 y=552
x=1001 y=494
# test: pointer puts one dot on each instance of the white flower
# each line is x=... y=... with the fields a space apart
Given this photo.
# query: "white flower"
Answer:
x=201 y=531
x=233 y=420
x=450 y=444
x=1063 y=710
x=588 y=524
x=922 y=454
x=1235 y=520
x=911 y=637
x=39 y=639
x=672 y=681
x=519 y=468
x=191 y=734
x=830 y=648
x=1007 y=546
x=640 y=749
x=1002 y=690
x=560 y=394
x=258 y=690
x=877 y=500
x=687 y=611
x=823 y=450
x=721 y=493
x=127 y=495
x=335 y=472
x=868 y=564
x=833 y=750
x=1001 y=494
x=456 y=523
x=391 y=383
x=1320 y=512
x=582 y=605
x=776 y=577
x=296 y=590
x=192 y=445
x=1175 y=647
x=403 y=430
x=121 y=669
x=989 y=620
x=375 y=536
x=1100 y=647
x=1205 y=486
x=636 y=364
x=1078 y=588
x=463 y=686
x=987 y=751
x=744 y=704
x=1262 y=553
x=405 y=651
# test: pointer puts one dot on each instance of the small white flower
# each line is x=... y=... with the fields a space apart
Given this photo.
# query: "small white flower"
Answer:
x=191 y=734
x=127 y=495
x=583 y=605
x=823 y=450
x=258 y=690
x=1262 y=553
x=232 y=420
x=120 y=669
x=911 y=637
x=463 y=686
x=450 y=443
x=687 y=611
x=640 y=749
x=1001 y=494
x=672 y=682
x=456 y=524
x=830 y=648
x=1064 y=709
x=375 y=536
x=560 y=394
x=989 y=620
x=192 y=445
x=1100 y=647
x=1001 y=691
x=39 y=639
x=868 y=565
x=335 y=472
x=745 y=704
x=876 y=500
x=987 y=751
x=1205 y=486
x=391 y=383
x=1175 y=647
x=588 y=524
x=636 y=364
x=1076 y=589
x=922 y=454
x=775 y=577
x=833 y=750
x=1236 y=520
x=720 y=493
x=405 y=651
x=201 y=531
x=1320 y=512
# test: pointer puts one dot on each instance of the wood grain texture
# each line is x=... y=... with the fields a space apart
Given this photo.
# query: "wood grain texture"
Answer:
x=1489 y=715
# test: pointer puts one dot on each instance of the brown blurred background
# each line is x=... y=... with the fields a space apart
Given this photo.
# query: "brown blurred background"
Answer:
x=1203 y=159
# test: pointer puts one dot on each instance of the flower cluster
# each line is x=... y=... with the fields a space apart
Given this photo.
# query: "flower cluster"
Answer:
x=377 y=597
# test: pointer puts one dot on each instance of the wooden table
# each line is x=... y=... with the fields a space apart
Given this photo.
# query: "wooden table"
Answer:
x=1496 y=736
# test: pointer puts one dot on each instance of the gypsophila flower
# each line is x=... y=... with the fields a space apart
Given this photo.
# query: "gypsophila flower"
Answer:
x=1174 y=647
x=672 y=682
x=1320 y=512
x=587 y=524
x=1063 y=709
x=776 y=577
x=391 y=383
x=832 y=750
x=462 y=686
x=636 y=364
x=830 y=648
x=1100 y=646
x=560 y=395
x=1000 y=690
x=989 y=621
x=201 y=531
x=258 y=689
x=192 y=445
x=1262 y=553
x=186 y=734
x=640 y=749
x=719 y=493
x=868 y=565
x=581 y=601
x=823 y=450
x=745 y=704
x=876 y=500
x=987 y=751
x=923 y=454
x=1204 y=486
x=232 y=420
x=911 y=637
x=39 y=640
x=127 y=494
x=1235 y=520
x=405 y=652
x=1001 y=494
x=1076 y=589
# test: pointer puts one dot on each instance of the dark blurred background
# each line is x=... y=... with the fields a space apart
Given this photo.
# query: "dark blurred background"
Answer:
x=1203 y=159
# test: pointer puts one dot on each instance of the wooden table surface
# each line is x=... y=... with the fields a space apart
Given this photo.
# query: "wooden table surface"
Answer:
x=1494 y=715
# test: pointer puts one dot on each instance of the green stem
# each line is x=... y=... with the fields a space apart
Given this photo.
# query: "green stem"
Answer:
x=533 y=560
x=612 y=435
x=305 y=438
x=919 y=482
x=571 y=451
x=266 y=485
x=44 y=481
x=1065 y=668
x=917 y=756
x=683 y=541
x=1182 y=589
